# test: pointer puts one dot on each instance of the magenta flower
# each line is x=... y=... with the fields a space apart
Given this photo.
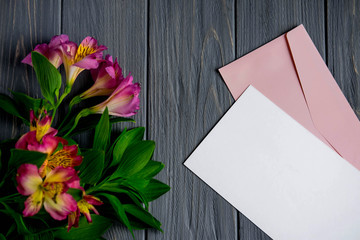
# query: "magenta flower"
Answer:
x=107 y=78
x=50 y=192
x=123 y=102
x=87 y=55
x=41 y=136
x=84 y=206
x=65 y=157
x=50 y=51
x=29 y=142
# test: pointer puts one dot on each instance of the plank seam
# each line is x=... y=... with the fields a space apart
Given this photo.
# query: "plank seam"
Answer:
x=326 y=31
x=236 y=56
x=147 y=54
x=61 y=15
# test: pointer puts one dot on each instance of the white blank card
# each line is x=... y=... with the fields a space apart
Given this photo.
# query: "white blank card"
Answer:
x=278 y=174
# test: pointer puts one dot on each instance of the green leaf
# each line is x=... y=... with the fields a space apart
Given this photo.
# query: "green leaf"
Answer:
x=10 y=106
x=127 y=189
x=119 y=210
x=28 y=102
x=155 y=189
x=77 y=194
x=134 y=159
x=137 y=183
x=21 y=227
x=92 y=166
x=40 y=236
x=109 y=152
x=2 y=237
x=86 y=231
x=12 y=228
x=143 y=215
x=48 y=76
x=90 y=122
x=126 y=139
x=150 y=170
x=19 y=157
x=102 y=132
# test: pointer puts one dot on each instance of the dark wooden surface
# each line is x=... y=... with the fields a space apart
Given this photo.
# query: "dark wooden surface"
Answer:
x=174 y=48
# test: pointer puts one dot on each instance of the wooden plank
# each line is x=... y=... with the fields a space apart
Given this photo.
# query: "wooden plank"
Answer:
x=188 y=42
x=22 y=26
x=122 y=27
x=258 y=22
x=343 y=30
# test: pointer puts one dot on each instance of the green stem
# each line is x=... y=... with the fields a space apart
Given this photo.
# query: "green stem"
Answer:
x=66 y=92
x=74 y=101
x=83 y=113
x=98 y=186
x=9 y=196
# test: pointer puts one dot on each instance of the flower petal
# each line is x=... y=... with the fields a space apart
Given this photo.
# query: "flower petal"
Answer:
x=89 y=62
x=48 y=144
x=61 y=174
x=28 y=179
x=25 y=140
x=40 y=48
x=76 y=184
x=61 y=206
x=93 y=200
x=73 y=219
x=33 y=204
x=57 y=40
x=126 y=102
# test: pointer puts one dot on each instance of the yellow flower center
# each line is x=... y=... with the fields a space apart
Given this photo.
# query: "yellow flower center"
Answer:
x=82 y=52
x=84 y=206
x=60 y=158
x=52 y=189
x=41 y=131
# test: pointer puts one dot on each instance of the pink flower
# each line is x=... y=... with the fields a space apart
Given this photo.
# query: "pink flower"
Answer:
x=50 y=51
x=41 y=137
x=65 y=157
x=84 y=206
x=47 y=145
x=123 y=102
x=87 y=56
x=107 y=78
x=50 y=192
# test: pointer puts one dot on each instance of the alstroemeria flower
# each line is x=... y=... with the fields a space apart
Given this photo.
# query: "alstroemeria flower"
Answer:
x=84 y=206
x=65 y=157
x=50 y=51
x=76 y=59
x=107 y=78
x=41 y=137
x=29 y=142
x=123 y=102
x=42 y=124
x=50 y=192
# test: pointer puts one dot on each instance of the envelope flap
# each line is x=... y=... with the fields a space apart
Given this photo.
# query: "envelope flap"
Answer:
x=324 y=98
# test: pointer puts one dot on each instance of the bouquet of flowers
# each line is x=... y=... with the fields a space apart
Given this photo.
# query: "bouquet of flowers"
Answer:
x=50 y=187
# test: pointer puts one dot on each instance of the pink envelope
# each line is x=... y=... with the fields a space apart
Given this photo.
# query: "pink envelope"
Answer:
x=290 y=72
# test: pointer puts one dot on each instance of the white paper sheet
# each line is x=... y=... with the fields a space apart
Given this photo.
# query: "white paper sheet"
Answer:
x=278 y=174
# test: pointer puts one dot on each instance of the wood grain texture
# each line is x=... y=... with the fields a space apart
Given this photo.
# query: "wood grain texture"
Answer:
x=122 y=27
x=259 y=22
x=22 y=26
x=188 y=42
x=173 y=49
x=343 y=24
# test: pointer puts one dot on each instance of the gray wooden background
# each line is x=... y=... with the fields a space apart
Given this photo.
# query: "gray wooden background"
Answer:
x=174 y=48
